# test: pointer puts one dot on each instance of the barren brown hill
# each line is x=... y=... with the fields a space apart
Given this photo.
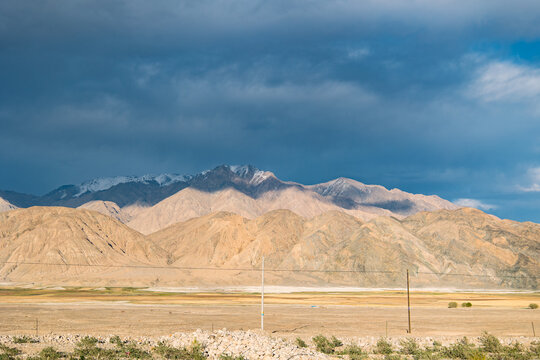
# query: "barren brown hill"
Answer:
x=47 y=236
x=463 y=248
x=191 y=203
x=108 y=208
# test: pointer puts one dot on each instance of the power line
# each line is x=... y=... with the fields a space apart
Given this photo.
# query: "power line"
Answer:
x=187 y=268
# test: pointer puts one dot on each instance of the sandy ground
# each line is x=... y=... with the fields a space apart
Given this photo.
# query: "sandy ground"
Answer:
x=297 y=320
x=131 y=312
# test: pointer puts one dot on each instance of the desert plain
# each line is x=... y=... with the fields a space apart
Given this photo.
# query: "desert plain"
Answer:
x=139 y=312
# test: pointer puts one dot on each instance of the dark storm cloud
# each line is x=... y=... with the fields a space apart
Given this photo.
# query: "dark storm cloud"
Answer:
x=431 y=96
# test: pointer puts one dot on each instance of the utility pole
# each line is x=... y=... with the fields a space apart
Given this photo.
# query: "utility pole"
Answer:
x=408 y=303
x=262 y=295
x=37 y=327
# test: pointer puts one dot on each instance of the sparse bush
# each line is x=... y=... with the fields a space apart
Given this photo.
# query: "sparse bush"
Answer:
x=461 y=349
x=24 y=340
x=354 y=352
x=87 y=348
x=392 y=357
x=383 y=347
x=169 y=352
x=324 y=345
x=409 y=347
x=230 y=357
x=336 y=342
x=132 y=351
x=533 y=306
x=466 y=305
x=300 y=343
x=452 y=305
x=477 y=355
x=490 y=343
x=196 y=352
x=8 y=353
x=535 y=348
x=116 y=340
x=49 y=353
x=516 y=351
x=87 y=342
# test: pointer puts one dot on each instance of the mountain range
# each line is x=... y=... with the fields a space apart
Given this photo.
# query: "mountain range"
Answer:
x=150 y=203
x=462 y=248
x=173 y=230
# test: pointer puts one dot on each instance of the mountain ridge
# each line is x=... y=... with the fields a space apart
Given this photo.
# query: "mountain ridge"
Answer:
x=463 y=248
x=250 y=192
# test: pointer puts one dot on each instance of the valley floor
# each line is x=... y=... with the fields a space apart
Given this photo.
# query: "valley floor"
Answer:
x=134 y=312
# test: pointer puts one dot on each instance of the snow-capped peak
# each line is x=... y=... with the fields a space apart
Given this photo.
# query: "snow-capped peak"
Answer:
x=254 y=175
x=242 y=170
x=250 y=173
x=101 y=184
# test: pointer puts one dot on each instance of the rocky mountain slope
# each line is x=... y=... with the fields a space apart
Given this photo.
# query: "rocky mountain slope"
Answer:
x=149 y=203
x=463 y=248
x=6 y=206
x=49 y=237
x=459 y=248
x=191 y=203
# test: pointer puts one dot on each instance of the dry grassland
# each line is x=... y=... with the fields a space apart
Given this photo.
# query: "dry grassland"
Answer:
x=134 y=312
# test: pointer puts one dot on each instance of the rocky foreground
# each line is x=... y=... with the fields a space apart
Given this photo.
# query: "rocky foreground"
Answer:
x=239 y=345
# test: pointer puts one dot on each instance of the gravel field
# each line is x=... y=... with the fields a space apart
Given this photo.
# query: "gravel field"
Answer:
x=245 y=344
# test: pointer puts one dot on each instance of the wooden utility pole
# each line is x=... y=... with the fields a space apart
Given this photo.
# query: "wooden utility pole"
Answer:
x=262 y=295
x=408 y=302
x=37 y=327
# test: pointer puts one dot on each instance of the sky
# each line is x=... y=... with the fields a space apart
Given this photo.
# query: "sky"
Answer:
x=429 y=96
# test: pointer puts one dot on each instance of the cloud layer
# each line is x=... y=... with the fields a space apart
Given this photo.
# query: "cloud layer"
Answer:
x=436 y=97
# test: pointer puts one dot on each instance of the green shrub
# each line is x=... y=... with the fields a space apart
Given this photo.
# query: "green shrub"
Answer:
x=324 y=345
x=490 y=343
x=116 y=340
x=24 y=340
x=516 y=351
x=392 y=357
x=409 y=347
x=8 y=352
x=383 y=347
x=427 y=354
x=300 y=343
x=535 y=348
x=169 y=352
x=477 y=355
x=132 y=351
x=87 y=348
x=533 y=306
x=462 y=349
x=230 y=357
x=354 y=352
x=49 y=353
x=466 y=304
x=452 y=304
x=87 y=342
x=196 y=352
